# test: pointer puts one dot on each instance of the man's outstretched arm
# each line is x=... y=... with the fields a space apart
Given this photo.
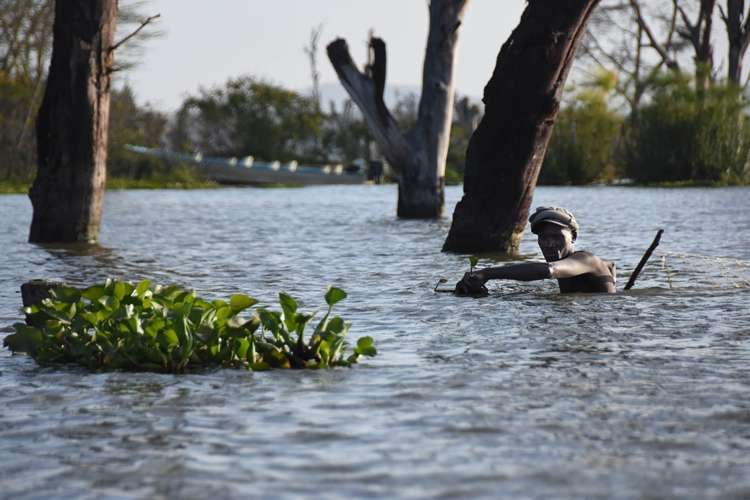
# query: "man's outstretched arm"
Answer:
x=568 y=267
x=525 y=271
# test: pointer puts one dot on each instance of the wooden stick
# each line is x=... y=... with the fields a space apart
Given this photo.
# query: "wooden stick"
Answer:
x=644 y=259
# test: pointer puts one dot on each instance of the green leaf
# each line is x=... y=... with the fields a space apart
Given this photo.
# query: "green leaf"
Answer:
x=240 y=302
x=222 y=315
x=289 y=306
x=169 y=293
x=94 y=293
x=67 y=294
x=334 y=295
x=26 y=339
x=168 y=338
x=473 y=261
x=55 y=310
x=121 y=289
x=142 y=288
x=302 y=320
x=270 y=320
x=366 y=347
x=153 y=327
x=242 y=347
x=324 y=350
x=335 y=325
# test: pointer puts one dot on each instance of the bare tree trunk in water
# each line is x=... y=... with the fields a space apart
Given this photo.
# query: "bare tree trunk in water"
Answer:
x=419 y=156
x=521 y=100
x=72 y=124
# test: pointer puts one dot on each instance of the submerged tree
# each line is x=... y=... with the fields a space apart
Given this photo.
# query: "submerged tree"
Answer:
x=418 y=156
x=522 y=100
x=72 y=124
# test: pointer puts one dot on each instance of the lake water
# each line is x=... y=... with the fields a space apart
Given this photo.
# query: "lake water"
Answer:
x=522 y=394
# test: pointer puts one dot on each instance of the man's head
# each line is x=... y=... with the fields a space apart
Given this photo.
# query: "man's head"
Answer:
x=556 y=229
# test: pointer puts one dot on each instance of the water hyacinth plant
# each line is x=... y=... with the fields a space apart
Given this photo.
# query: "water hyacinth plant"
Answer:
x=117 y=325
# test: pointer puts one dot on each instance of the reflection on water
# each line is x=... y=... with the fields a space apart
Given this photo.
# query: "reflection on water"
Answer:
x=525 y=393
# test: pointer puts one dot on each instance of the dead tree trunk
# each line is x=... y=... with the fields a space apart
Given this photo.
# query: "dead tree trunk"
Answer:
x=418 y=157
x=72 y=124
x=521 y=100
x=738 y=35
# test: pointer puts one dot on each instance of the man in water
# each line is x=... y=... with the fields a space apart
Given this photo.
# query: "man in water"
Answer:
x=575 y=271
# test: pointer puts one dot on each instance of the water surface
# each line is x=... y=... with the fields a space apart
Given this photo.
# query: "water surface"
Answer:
x=522 y=394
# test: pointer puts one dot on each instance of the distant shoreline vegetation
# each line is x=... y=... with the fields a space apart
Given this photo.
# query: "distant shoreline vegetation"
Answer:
x=128 y=184
x=120 y=183
x=679 y=137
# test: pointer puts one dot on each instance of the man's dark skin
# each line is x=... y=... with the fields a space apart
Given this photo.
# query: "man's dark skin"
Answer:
x=575 y=272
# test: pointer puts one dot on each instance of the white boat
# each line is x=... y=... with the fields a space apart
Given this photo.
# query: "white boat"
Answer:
x=248 y=171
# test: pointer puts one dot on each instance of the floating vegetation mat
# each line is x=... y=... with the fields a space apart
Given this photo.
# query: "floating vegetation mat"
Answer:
x=120 y=326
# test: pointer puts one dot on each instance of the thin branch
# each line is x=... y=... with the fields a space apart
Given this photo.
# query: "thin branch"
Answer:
x=691 y=31
x=723 y=16
x=137 y=30
x=598 y=48
x=671 y=63
x=672 y=26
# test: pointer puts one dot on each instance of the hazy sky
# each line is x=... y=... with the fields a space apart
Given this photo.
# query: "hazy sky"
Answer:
x=205 y=43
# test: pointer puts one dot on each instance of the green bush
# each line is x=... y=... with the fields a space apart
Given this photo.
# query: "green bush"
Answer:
x=683 y=135
x=582 y=142
x=249 y=116
x=117 y=325
x=18 y=104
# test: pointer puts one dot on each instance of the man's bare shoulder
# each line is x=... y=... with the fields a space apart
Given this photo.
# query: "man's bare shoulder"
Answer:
x=597 y=265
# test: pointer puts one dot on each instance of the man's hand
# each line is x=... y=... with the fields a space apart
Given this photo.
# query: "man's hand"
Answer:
x=472 y=285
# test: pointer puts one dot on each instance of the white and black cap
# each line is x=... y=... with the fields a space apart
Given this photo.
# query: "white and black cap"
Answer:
x=554 y=215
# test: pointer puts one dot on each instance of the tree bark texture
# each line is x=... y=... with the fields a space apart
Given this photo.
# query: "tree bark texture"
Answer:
x=72 y=124
x=737 y=22
x=522 y=100
x=418 y=157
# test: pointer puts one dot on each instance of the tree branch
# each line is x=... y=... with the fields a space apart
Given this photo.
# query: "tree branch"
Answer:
x=672 y=26
x=367 y=90
x=671 y=63
x=644 y=259
x=723 y=16
x=134 y=33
